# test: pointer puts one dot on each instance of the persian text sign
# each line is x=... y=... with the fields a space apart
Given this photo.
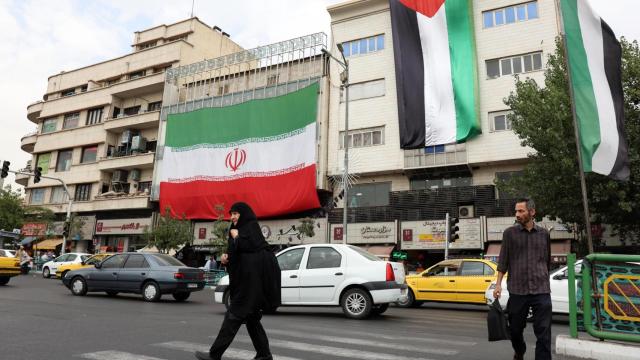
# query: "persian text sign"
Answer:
x=34 y=229
x=122 y=226
x=430 y=234
x=366 y=233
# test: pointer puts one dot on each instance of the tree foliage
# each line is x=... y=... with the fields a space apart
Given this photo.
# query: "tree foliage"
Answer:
x=307 y=227
x=542 y=119
x=169 y=232
x=11 y=209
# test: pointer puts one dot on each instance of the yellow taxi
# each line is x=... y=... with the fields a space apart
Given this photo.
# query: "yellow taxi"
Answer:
x=459 y=280
x=9 y=267
x=62 y=270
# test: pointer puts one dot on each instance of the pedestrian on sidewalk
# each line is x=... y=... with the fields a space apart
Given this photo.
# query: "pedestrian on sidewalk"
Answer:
x=254 y=284
x=526 y=256
x=24 y=257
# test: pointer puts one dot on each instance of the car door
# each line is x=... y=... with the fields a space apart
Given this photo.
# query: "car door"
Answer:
x=290 y=262
x=323 y=273
x=57 y=262
x=438 y=283
x=133 y=273
x=106 y=277
x=473 y=280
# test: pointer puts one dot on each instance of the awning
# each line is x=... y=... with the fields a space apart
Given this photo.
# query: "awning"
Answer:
x=560 y=247
x=383 y=251
x=28 y=240
x=49 y=244
x=493 y=249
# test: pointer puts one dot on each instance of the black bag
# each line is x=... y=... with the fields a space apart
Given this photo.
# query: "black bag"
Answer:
x=497 y=323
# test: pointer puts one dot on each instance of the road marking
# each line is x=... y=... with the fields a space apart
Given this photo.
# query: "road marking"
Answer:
x=332 y=351
x=231 y=353
x=116 y=355
x=363 y=342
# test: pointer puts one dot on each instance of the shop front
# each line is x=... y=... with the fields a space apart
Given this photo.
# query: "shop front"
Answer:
x=379 y=238
x=81 y=233
x=120 y=235
x=424 y=242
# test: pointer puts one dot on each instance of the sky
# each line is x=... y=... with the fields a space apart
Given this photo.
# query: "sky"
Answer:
x=40 y=38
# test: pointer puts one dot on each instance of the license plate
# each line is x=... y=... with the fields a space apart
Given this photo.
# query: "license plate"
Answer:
x=192 y=285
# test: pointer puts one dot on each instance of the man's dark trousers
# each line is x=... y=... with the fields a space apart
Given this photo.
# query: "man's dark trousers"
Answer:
x=229 y=329
x=518 y=308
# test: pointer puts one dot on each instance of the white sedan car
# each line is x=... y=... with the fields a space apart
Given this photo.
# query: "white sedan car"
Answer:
x=335 y=275
x=49 y=268
x=7 y=253
x=559 y=282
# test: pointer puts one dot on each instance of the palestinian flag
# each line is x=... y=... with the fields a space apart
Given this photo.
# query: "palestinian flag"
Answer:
x=436 y=72
x=262 y=152
x=595 y=57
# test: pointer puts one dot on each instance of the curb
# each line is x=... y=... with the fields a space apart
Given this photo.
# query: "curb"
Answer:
x=595 y=349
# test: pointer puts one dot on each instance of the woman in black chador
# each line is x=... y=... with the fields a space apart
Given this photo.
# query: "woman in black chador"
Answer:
x=254 y=284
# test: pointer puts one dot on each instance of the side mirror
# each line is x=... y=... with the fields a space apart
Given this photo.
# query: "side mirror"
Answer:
x=98 y=265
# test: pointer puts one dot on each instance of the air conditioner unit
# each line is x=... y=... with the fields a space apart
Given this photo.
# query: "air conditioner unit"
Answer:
x=139 y=143
x=466 y=211
x=135 y=174
x=119 y=176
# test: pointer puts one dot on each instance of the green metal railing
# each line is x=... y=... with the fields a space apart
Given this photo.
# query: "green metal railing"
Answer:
x=610 y=296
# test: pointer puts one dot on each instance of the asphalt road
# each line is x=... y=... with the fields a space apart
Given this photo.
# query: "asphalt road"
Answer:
x=40 y=319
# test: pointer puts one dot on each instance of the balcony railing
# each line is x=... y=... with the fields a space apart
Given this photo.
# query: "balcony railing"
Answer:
x=436 y=156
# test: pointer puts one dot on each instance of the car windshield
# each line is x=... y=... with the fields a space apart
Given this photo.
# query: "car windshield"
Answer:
x=364 y=253
x=166 y=260
x=84 y=257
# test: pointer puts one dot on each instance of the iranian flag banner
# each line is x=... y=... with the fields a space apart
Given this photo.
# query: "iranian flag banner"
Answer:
x=595 y=62
x=262 y=152
x=436 y=71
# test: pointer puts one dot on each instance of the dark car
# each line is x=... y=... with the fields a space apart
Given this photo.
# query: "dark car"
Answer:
x=151 y=275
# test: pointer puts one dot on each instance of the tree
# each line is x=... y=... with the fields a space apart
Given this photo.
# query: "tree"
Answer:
x=169 y=233
x=306 y=227
x=11 y=209
x=542 y=119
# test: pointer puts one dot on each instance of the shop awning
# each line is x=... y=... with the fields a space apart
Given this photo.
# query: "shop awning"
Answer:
x=383 y=251
x=493 y=249
x=28 y=240
x=49 y=244
x=560 y=247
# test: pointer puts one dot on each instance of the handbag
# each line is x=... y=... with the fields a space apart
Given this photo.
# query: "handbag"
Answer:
x=497 y=323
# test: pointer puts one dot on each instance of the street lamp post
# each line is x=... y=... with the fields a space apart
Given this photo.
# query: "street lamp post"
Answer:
x=344 y=79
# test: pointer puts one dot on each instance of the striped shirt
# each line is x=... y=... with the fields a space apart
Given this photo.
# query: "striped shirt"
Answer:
x=526 y=256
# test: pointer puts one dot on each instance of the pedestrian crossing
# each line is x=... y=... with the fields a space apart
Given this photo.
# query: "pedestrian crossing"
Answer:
x=302 y=345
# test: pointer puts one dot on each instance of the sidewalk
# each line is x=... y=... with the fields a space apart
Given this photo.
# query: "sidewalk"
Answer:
x=592 y=348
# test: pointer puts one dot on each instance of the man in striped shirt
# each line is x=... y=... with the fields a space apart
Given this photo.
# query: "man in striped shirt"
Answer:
x=526 y=256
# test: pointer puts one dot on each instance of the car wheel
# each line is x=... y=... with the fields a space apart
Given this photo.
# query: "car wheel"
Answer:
x=409 y=301
x=111 y=293
x=4 y=280
x=379 y=309
x=151 y=291
x=356 y=303
x=78 y=286
x=46 y=273
x=181 y=296
x=226 y=299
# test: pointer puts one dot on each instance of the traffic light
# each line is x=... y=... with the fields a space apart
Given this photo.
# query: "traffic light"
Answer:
x=36 y=174
x=65 y=229
x=453 y=229
x=5 y=169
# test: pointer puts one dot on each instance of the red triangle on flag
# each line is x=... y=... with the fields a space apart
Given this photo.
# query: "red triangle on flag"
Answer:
x=426 y=7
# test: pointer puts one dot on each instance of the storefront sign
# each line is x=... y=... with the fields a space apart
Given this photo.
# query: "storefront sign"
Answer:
x=366 y=233
x=86 y=229
x=34 y=229
x=430 y=234
x=122 y=226
x=496 y=226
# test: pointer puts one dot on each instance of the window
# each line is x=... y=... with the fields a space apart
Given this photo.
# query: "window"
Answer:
x=290 y=260
x=444 y=270
x=435 y=149
x=137 y=74
x=363 y=137
x=114 y=262
x=64 y=160
x=94 y=116
x=84 y=88
x=133 y=110
x=513 y=65
x=476 y=268
x=154 y=106
x=166 y=260
x=68 y=92
x=363 y=46
x=70 y=120
x=49 y=125
x=43 y=162
x=374 y=194
x=58 y=195
x=61 y=258
x=72 y=257
x=323 y=258
x=499 y=121
x=89 y=154
x=147 y=45
x=83 y=192
x=144 y=186
x=364 y=253
x=430 y=184
x=510 y=14
x=365 y=90
x=135 y=261
x=37 y=196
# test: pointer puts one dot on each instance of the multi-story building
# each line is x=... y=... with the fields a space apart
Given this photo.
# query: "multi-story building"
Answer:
x=98 y=130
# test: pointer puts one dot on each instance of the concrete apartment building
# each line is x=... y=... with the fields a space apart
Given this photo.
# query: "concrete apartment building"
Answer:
x=98 y=130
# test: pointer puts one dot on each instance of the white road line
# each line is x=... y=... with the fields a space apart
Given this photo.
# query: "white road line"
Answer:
x=363 y=342
x=115 y=355
x=332 y=351
x=231 y=353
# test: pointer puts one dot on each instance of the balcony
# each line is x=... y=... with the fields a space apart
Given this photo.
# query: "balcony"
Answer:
x=100 y=203
x=439 y=156
x=33 y=111
x=136 y=161
x=142 y=120
x=22 y=179
x=28 y=142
